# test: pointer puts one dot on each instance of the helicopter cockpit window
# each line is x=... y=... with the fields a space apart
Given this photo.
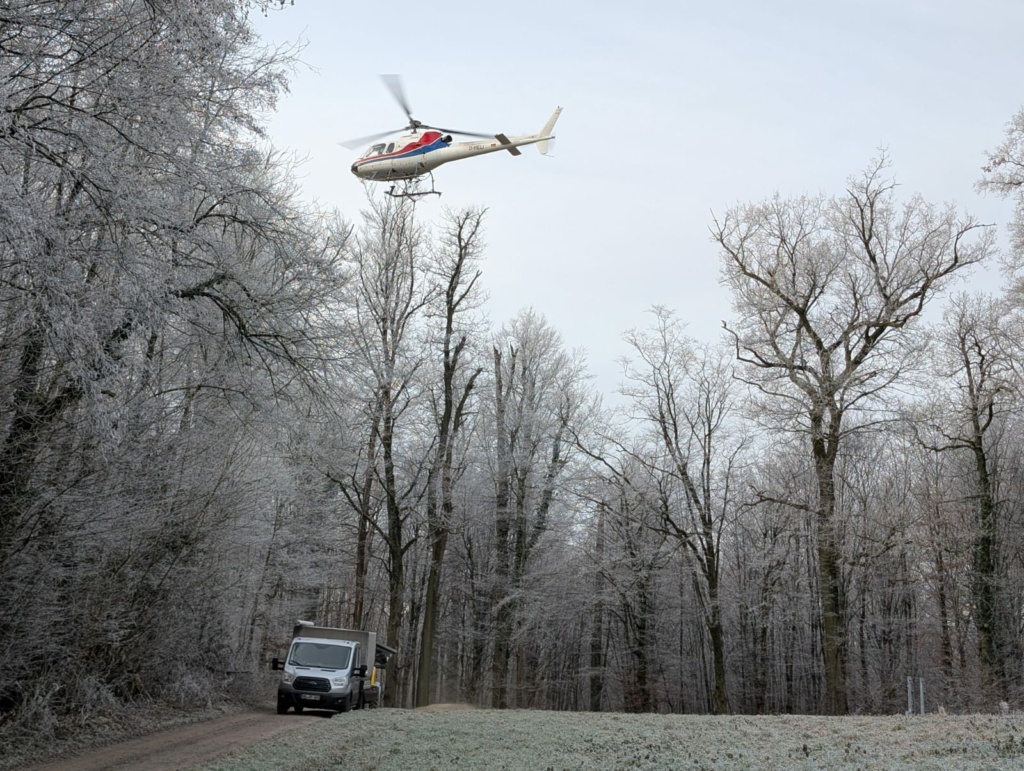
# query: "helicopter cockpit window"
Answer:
x=375 y=150
x=391 y=147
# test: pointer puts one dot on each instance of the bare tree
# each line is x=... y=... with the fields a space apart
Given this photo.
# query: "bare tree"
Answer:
x=637 y=550
x=455 y=272
x=683 y=395
x=767 y=563
x=825 y=289
x=539 y=401
x=388 y=307
x=1004 y=175
x=974 y=363
x=501 y=604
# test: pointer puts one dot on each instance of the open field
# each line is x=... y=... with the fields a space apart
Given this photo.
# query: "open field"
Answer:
x=438 y=738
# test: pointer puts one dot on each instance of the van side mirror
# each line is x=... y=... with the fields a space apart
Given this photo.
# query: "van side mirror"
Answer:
x=275 y=663
x=362 y=671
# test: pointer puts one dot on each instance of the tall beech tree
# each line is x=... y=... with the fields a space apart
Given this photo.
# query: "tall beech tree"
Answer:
x=390 y=298
x=824 y=291
x=456 y=275
x=683 y=395
x=539 y=400
x=973 y=363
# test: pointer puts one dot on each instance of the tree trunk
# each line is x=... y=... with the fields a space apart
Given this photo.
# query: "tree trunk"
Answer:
x=438 y=545
x=363 y=526
x=457 y=289
x=713 y=617
x=597 y=615
x=396 y=559
x=983 y=576
x=829 y=580
x=503 y=617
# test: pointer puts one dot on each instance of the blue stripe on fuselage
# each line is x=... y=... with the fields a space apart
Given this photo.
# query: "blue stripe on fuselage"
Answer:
x=437 y=144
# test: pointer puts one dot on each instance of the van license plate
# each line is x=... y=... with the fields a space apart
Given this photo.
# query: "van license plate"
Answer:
x=310 y=696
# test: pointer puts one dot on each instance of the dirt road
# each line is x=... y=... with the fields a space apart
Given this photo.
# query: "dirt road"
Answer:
x=185 y=747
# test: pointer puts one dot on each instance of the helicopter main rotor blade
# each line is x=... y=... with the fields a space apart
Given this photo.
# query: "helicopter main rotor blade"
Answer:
x=457 y=131
x=357 y=144
x=394 y=84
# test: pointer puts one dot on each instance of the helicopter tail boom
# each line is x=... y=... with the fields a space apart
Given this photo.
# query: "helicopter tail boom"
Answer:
x=543 y=144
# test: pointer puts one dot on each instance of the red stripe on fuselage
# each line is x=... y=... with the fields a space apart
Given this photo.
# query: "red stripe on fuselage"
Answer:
x=428 y=138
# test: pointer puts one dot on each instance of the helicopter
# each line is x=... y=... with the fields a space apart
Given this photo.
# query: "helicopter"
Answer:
x=420 y=148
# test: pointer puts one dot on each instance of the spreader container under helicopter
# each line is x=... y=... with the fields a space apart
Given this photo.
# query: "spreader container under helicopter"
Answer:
x=422 y=148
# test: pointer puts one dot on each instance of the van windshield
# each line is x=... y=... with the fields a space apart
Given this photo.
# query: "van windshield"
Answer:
x=321 y=655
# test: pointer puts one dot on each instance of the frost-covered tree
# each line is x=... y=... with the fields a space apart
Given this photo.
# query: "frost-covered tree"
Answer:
x=825 y=290
x=454 y=270
x=539 y=400
x=1004 y=175
x=160 y=292
x=969 y=415
x=390 y=295
x=683 y=396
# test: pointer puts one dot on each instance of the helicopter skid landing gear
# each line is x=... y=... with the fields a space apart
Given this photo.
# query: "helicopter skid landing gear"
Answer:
x=409 y=188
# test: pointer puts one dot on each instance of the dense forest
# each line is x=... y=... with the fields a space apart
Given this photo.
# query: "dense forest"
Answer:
x=222 y=409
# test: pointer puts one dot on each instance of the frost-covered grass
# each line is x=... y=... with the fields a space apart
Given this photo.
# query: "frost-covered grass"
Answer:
x=404 y=740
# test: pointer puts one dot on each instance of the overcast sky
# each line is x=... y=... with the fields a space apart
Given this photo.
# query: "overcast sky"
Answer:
x=672 y=112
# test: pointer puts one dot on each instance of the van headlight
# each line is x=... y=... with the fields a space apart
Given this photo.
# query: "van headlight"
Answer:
x=287 y=678
x=339 y=682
